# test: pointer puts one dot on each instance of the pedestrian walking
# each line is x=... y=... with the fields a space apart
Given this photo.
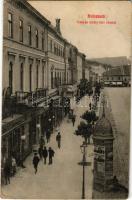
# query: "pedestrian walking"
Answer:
x=58 y=139
x=7 y=171
x=35 y=162
x=90 y=105
x=40 y=151
x=73 y=119
x=42 y=141
x=45 y=154
x=51 y=155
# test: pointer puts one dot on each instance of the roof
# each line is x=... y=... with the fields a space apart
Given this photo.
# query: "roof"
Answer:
x=50 y=26
x=34 y=11
x=103 y=128
x=113 y=61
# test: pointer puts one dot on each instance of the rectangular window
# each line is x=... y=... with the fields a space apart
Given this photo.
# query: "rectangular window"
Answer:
x=43 y=72
x=21 y=77
x=63 y=53
x=29 y=35
x=58 y=81
x=59 y=51
x=67 y=77
x=21 y=30
x=60 y=78
x=37 y=74
x=30 y=78
x=42 y=41
x=36 y=34
x=51 y=45
x=52 y=80
x=55 y=80
x=10 y=25
x=11 y=76
x=55 y=50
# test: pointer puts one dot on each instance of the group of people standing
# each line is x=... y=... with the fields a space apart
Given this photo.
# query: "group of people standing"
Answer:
x=44 y=153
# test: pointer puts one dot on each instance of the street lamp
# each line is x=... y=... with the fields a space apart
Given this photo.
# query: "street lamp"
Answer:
x=84 y=163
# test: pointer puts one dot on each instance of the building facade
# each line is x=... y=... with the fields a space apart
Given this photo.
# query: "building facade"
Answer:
x=38 y=64
x=118 y=76
x=25 y=82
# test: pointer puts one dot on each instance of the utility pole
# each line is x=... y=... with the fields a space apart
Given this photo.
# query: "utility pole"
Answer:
x=84 y=163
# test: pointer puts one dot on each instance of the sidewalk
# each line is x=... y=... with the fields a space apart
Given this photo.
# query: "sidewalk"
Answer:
x=63 y=179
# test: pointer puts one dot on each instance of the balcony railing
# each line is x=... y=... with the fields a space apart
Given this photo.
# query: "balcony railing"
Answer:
x=31 y=98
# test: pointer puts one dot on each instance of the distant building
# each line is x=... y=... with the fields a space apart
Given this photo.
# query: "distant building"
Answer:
x=94 y=71
x=81 y=73
x=118 y=76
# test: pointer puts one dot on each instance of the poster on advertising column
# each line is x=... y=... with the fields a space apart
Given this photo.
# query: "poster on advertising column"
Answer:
x=58 y=60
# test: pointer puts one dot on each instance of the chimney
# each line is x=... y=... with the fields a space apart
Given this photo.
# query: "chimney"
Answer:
x=58 y=26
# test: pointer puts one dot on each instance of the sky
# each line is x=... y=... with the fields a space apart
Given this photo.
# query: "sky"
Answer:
x=94 y=40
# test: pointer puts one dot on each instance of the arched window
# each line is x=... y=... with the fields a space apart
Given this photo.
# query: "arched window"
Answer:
x=21 y=77
x=11 y=76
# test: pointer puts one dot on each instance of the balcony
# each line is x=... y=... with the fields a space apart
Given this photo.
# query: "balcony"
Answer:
x=31 y=98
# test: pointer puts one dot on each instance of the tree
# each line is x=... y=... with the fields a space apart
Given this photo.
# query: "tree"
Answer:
x=83 y=88
x=90 y=116
x=85 y=130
